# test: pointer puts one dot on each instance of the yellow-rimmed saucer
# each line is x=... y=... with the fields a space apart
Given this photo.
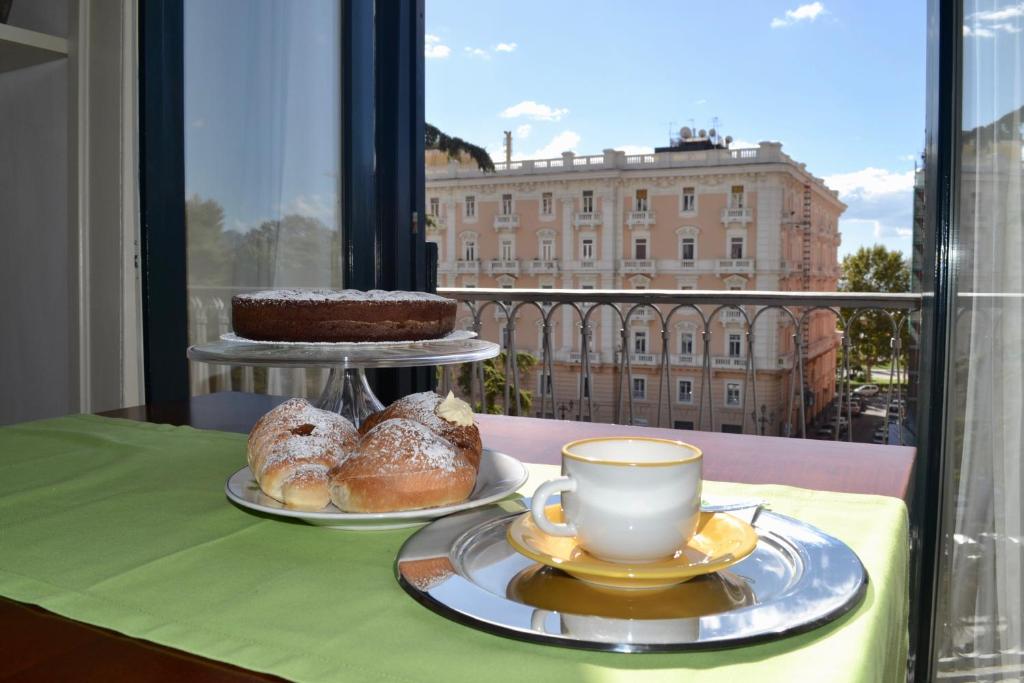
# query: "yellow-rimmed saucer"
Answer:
x=721 y=541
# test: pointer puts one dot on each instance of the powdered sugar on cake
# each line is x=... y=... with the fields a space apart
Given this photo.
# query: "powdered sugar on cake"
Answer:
x=410 y=446
x=320 y=295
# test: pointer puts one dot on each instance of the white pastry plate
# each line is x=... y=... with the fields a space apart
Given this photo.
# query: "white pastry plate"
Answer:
x=500 y=475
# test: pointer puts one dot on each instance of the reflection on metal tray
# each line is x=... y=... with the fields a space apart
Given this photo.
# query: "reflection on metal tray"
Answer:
x=797 y=579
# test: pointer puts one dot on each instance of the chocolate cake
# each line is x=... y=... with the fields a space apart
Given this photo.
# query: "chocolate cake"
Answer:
x=348 y=315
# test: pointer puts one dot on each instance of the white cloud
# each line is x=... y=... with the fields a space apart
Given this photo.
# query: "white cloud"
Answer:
x=880 y=207
x=566 y=141
x=808 y=12
x=433 y=48
x=534 y=110
x=635 y=149
x=701 y=101
x=987 y=23
x=505 y=47
x=523 y=131
x=322 y=207
x=477 y=52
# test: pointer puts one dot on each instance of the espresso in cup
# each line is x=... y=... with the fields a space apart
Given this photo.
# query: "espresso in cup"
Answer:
x=625 y=499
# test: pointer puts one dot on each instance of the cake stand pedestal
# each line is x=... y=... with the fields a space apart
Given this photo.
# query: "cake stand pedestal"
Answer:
x=347 y=391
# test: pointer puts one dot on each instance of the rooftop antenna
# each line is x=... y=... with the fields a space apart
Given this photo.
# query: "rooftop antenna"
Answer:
x=508 y=146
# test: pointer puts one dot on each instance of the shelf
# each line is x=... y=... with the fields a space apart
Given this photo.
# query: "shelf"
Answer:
x=20 y=47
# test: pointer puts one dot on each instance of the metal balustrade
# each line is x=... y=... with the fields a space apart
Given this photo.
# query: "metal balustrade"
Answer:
x=708 y=310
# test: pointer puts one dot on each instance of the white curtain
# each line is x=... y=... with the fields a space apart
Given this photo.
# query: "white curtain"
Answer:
x=262 y=149
x=981 y=609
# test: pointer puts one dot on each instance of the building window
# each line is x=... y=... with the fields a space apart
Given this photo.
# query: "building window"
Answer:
x=736 y=247
x=547 y=249
x=469 y=250
x=733 y=394
x=470 y=206
x=639 y=388
x=435 y=206
x=732 y=429
x=735 y=346
x=506 y=250
x=587 y=249
x=588 y=201
x=684 y=391
x=736 y=197
x=544 y=384
x=686 y=343
x=640 y=248
x=506 y=204
x=640 y=341
x=641 y=200
x=687 y=248
x=682 y=424
x=689 y=200
x=546 y=204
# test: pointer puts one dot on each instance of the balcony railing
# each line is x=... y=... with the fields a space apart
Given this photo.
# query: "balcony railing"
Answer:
x=735 y=265
x=503 y=267
x=637 y=266
x=506 y=222
x=467 y=267
x=587 y=219
x=776 y=351
x=730 y=215
x=542 y=266
x=640 y=219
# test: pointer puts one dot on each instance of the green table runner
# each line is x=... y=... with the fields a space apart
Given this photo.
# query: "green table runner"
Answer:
x=125 y=525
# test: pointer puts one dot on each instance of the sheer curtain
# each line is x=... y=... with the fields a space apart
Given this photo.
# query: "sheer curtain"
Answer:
x=981 y=609
x=262 y=158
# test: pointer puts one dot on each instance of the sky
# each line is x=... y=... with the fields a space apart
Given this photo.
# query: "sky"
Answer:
x=840 y=83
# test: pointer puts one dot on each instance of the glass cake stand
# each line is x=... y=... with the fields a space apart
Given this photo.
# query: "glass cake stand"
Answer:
x=347 y=391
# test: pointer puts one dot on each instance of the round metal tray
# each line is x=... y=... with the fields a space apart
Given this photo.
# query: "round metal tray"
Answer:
x=797 y=579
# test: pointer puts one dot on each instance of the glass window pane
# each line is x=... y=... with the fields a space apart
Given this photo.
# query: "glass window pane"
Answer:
x=262 y=149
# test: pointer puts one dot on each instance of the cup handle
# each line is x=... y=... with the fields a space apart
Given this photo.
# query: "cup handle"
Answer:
x=540 y=500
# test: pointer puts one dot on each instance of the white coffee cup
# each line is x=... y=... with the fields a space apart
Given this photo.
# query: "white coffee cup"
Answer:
x=625 y=499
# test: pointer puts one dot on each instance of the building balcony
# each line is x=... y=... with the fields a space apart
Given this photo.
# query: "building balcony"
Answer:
x=542 y=267
x=734 y=265
x=731 y=315
x=729 y=362
x=587 y=219
x=640 y=358
x=637 y=266
x=467 y=267
x=640 y=219
x=688 y=264
x=688 y=360
x=503 y=267
x=506 y=222
x=577 y=357
x=436 y=224
x=730 y=215
x=587 y=264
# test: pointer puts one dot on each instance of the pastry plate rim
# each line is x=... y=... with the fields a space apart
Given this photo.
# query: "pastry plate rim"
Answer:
x=365 y=520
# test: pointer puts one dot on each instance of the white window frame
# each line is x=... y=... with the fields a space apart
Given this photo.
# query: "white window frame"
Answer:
x=507 y=204
x=737 y=200
x=683 y=334
x=469 y=250
x=506 y=249
x=637 y=241
x=584 y=242
x=737 y=338
x=742 y=241
x=541 y=376
x=547 y=248
x=638 y=391
x=679 y=390
x=640 y=338
x=469 y=207
x=435 y=206
x=640 y=203
x=547 y=204
x=683 y=194
x=687 y=241
x=587 y=201
x=739 y=394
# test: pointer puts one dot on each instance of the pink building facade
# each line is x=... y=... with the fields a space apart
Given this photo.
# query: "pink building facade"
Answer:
x=711 y=219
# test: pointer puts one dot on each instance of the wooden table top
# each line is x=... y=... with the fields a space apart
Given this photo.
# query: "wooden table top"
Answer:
x=51 y=647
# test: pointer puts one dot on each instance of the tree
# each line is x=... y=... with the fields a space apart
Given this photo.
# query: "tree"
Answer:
x=456 y=147
x=494 y=383
x=209 y=256
x=874 y=269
